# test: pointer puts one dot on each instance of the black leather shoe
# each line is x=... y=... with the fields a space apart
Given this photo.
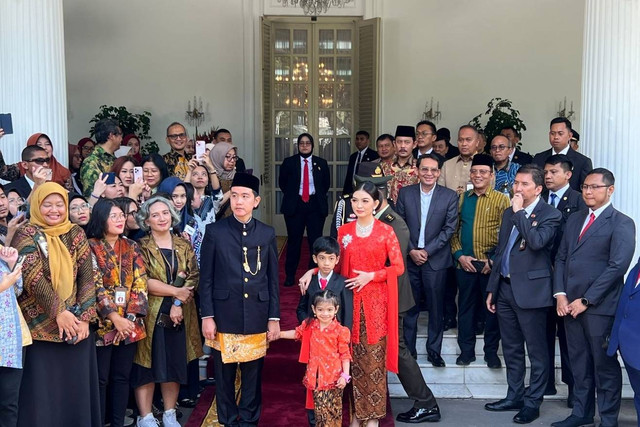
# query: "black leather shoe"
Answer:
x=450 y=324
x=504 y=405
x=526 y=416
x=463 y=360
x=570 y=399
x=420 y=415
x=573 y=421
x=550 y=390
x=288 y=282
x=493 y=361
x=436 y=360
x=188 y=403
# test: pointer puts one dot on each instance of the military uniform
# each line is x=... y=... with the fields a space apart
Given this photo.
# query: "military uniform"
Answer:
x=239 y=289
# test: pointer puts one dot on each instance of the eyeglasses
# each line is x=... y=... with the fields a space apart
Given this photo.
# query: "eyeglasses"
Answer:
x=132 y=213
x=423 y=133
x=231 y=158
x=78 y=208
x=586 y=187
x=480 y=172
x=16 y=201
x=429 y=170
x=500 y=147
x=41 y=160
x=117 y=217
x=304 y=142
x=177 y=136
x=87 y=148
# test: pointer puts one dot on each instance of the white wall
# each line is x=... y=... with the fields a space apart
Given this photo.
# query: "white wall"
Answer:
x=465 y=52
x=155 y=55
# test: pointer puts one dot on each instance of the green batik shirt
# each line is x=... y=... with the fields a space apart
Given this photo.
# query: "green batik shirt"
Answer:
x=98 y=162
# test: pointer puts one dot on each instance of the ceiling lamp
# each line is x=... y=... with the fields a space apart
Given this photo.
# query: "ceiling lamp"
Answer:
x=314 y=7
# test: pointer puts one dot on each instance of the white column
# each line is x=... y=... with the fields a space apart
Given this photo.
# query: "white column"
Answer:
x=32 y=74
x=611 y=96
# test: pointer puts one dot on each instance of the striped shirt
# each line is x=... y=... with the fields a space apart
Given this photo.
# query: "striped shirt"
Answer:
x=480 y=218
x=505 y=177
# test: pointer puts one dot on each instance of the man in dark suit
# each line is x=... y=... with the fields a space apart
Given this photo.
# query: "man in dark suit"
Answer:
x=520 y=291
x=304 y=182
x=431 y=213
x=559 y=194
x=517 y=156
x=595 y=252
x=443 y=146
x=239 y=296
x=364 y=154
x=425 y=407
x=559 y=136
x=625 y=333
x=36 y=165
x=425 y=137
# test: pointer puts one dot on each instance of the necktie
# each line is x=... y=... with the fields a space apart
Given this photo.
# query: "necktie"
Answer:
x=305 y=181
x=553 y=196
x=505 y=256
x=592 y=218
x=323 y=283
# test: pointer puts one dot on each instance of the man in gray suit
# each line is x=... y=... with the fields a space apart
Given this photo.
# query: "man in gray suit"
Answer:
x=431 y=213
x=594 y=254
x=520 y=291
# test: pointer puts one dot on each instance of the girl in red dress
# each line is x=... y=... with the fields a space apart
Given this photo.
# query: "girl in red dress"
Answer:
x=325 y=350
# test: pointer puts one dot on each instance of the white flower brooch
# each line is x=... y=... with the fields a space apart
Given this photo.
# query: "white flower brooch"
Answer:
x=346 y=240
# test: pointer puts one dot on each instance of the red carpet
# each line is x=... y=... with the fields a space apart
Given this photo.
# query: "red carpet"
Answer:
x=283 y=394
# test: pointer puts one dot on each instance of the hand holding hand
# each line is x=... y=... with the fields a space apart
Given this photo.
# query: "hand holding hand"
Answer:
x=418 y=256
x=562 y=305
x=67 y=324
x=273 y=330
x=576 y=307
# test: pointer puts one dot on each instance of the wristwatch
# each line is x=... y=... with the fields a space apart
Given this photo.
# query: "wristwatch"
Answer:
x=132 y=317
x=177 y=302
x=585 y=302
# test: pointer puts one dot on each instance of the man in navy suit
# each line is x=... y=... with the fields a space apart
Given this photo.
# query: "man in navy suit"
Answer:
x=595 y=252
x=364 y=154
x=559 y=194
x=559 y=136
x=304 y=182
x=431 y=213
x=520 y=291
x=625 y=334
x=516 y=156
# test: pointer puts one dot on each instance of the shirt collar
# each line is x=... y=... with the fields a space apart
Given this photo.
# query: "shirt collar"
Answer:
x=564 y=151
x=29 y=181
x=561 y=191
x=599 y=211
x=532 y=206
x=302 y=159
x=328 y=277
x=378 y=214
x=430 y=193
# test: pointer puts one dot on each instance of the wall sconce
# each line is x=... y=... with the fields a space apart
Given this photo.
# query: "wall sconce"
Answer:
x=430 y=113
x=194 y=116
x=562 y=110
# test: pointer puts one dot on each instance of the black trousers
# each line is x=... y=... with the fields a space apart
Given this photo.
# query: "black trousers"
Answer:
x=410 y=375
x=592 y=369
x=634 y=379
x=429 y=284
x=114 y=371
x=517 y=327
x=471 y=287
x=10 y=379
x=247 y=412
x=450 y=292
x=555 y=326
x=307 y=217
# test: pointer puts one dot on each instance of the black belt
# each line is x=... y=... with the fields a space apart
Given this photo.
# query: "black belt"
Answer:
x=506 y=280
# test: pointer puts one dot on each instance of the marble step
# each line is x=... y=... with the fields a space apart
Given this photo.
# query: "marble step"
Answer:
x=485 y=391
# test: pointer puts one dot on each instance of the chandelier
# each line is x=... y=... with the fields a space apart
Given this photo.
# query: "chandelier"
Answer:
x=314 y=7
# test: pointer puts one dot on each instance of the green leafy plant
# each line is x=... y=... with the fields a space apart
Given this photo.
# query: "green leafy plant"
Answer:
x=139 y=124
x=500 y=113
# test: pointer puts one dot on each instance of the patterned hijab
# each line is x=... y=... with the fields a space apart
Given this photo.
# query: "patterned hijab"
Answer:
x=217 y=154
x=60 y=262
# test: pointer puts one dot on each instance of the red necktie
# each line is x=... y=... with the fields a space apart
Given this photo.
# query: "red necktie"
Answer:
x=638 y=279
x=305 y=181
x=323 y=283
x=591 y=219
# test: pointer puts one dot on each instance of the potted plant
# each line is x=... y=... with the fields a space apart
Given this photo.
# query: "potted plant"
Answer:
x=500 y=113
x=138 y=124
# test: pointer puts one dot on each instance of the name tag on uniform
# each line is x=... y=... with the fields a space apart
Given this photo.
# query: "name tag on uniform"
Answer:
x=121 y=296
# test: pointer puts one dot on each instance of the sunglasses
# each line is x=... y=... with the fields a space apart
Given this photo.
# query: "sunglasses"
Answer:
x=41 y=160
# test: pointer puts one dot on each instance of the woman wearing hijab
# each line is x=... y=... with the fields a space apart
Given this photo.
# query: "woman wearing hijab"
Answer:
x=75 y=161
x=130 y=140
x=60 y=381
x=59 y=173
x=224 y=157
x=86 y=146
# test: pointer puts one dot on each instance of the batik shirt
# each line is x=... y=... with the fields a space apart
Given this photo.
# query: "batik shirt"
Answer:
x=177 y=164
x=97 y=163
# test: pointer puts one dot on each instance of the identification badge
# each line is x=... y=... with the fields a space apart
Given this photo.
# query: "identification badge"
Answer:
x=469 y=186
x=189 y=230
x=121 y=296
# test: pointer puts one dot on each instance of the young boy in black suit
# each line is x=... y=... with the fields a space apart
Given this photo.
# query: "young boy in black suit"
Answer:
x=326 y=253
